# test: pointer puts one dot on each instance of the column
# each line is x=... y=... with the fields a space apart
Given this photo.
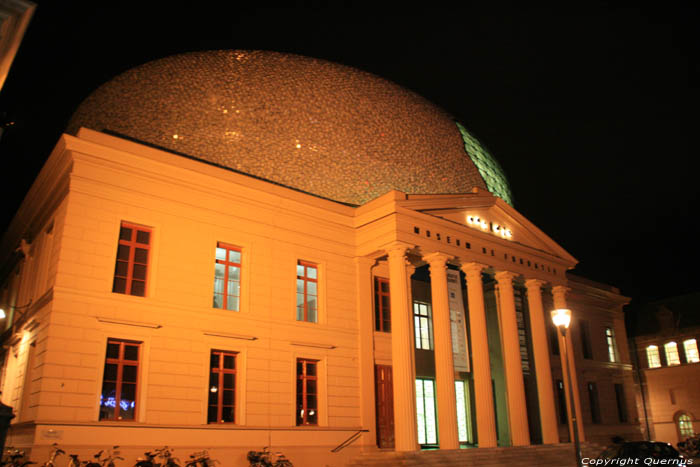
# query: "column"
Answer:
x=402 y=353
x=481 y=366
x=559 y=295
x=363 y=268
x=444 y=358
x=517 y=405
x=543 y=368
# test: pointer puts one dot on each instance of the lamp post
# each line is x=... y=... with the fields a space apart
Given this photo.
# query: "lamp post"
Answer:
x=562 y=319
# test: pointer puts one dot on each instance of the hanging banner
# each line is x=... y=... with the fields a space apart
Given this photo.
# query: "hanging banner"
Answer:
x=460 y=347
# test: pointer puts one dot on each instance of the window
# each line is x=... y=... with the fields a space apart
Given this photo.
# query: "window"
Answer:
x=653 y=358
x=463 y=427
x=425 y=408
x=132 y=260
x=222 y=387
x=594 y=403
x=691 y=351
x=585 y=340
x=671 y=351
x=553 y=337
x=307 y=392
x=561 y=399
x=382 y=305
x=685 y=426
x=621 y=404
x=423 y=325
x=612 y=346
x=227 y=277
x=307 y=292
x=118 y=399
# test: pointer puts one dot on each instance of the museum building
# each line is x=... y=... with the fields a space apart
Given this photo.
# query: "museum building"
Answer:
x=234 y=249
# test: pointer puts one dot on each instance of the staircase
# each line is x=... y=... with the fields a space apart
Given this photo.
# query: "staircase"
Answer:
x=550 y=455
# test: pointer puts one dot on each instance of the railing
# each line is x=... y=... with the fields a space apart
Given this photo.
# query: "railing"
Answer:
x=349 y=441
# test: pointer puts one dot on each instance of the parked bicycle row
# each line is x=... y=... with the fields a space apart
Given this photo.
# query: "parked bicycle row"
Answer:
x=162 y=457
x=106 y=458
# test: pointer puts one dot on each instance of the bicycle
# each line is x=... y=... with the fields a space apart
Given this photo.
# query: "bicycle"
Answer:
x=265 y=458
x=112 y=455
x=15 y=458
x=201 y=459
x=55 y=452
x=165 y=453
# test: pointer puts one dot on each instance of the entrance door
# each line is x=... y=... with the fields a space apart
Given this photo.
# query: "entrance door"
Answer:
x=384 y=389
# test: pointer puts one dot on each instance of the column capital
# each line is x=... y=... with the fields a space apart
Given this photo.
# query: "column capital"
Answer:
x=534 y=283
x=560 y=290
x=505 y=277
x=472 y=268
x=397 y=249
x=437 y=259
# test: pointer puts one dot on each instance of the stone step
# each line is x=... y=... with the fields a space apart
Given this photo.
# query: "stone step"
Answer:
x=555 y=455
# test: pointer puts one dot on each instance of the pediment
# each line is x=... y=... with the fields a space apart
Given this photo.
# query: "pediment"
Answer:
x=489 y=215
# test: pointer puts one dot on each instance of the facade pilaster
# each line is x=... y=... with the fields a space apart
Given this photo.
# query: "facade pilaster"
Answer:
x=517 y=404
x=559 y=298
x=481 y=366
x=402 y=353
x=444 y=359
x=543 y=368
x=363 y=268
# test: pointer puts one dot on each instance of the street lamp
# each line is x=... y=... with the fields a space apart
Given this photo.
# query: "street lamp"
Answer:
x=562 y=319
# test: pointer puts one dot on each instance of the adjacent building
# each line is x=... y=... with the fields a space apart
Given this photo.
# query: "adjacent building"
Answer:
x=235 y=249
x=666 y=345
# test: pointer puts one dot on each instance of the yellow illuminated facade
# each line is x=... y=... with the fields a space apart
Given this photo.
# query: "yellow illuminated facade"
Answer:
x=159 y=297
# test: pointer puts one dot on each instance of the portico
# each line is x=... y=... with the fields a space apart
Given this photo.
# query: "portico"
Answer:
x=433 y=236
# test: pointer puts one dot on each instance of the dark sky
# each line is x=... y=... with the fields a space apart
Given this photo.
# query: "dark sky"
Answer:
x=589 y=109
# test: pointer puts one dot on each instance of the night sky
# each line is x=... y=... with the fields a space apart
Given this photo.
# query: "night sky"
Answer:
x=590 y=111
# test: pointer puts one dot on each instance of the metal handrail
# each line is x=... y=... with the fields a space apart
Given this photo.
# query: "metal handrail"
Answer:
x=349 y=441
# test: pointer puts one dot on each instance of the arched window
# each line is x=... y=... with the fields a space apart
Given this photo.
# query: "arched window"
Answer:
x=653 y=357
x=672 y=357
x=685 y=426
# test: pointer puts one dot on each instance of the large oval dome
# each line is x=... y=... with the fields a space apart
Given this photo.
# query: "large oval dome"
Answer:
x=316 y=126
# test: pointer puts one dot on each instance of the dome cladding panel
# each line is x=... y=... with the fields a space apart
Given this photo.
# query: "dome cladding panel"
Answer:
x=309 y=124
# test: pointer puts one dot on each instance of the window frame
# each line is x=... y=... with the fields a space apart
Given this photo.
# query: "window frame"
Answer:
x=221 y=385
x=118 y=382
x=305 y=377
x=684 y=425
x=612 y=345
x=690 y=349
x=653 y=356
x=304 y=317
x=585 y=336
x=669 y=353
x=130 y=262
x=417 y=317
x=227 y=263
x=382 y=316
x=621 y=400
x=594 y=402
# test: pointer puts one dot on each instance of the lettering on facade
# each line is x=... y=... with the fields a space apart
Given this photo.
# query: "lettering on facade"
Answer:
x=497 y=229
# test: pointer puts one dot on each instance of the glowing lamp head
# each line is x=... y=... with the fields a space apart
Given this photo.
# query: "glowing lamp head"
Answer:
x=561 y=317
x=2 y=314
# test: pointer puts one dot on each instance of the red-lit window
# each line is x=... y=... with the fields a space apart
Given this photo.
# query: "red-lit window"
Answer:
x=307 y=392
x=307 y=292
x=132 y=260
x=222 y=387
x=227 y=277
x=382 y=305
x=120 y=380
